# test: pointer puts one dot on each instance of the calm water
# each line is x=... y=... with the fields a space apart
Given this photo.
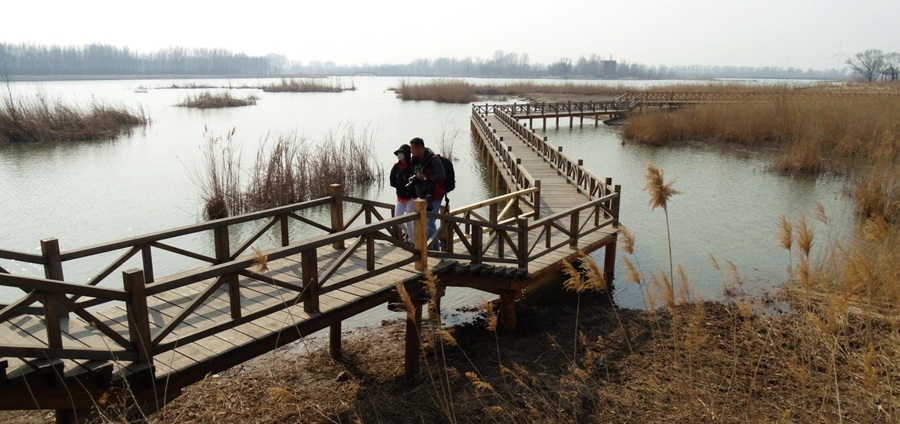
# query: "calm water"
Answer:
x=92 y=192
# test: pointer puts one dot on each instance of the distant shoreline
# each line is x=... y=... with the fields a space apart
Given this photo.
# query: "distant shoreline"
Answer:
x=26 y=78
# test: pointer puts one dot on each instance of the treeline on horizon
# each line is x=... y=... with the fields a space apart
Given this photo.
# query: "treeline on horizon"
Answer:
x=102 y=59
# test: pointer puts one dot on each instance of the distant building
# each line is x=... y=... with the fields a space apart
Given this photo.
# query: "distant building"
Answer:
x=608 y=67
x=889 y=74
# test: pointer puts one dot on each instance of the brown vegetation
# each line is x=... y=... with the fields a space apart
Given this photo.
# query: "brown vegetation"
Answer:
x=207 y=100
x=287 y=170
x=307 y=85
x=41 y=119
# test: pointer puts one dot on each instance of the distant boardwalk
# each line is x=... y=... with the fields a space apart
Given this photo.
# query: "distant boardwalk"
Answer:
x=133 y=327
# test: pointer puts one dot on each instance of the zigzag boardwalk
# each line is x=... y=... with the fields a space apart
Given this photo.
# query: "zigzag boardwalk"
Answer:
x=134 y=328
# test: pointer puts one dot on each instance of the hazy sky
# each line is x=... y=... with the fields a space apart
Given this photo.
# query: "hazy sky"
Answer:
x=783 y=33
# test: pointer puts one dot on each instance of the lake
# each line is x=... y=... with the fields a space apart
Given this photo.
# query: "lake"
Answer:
x=86 y=193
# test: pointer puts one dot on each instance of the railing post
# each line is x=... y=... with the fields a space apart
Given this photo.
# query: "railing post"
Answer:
x=223 y=254
x=147 y=259
x=579 y=172
x=446 y=235
x=309 y=270
x=573 y=229
x=617 y=202
x=138 y=315
x=523 y=243
x=370 y=244
x=53 y=312
x=52 y=262
x=53 y=309
x=420 y=238
x=285 y=230
x=336 y=191
x=537 y=199
x=477 y=243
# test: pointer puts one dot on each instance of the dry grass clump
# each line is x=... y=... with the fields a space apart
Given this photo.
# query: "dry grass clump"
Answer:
x=288 y=169
x=40 y=119
x=222 y=99
x=307 y=85
x=445 y=91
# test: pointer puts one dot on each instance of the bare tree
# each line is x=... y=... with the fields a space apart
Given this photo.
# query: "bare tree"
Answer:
x=868 y=64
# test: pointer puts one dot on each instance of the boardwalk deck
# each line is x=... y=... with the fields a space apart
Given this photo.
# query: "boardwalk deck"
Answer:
x=65 y=344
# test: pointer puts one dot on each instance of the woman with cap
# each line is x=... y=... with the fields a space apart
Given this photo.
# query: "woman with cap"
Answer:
x=401 y=173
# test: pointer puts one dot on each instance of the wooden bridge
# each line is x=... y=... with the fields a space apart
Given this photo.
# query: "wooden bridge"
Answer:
x=158 y=315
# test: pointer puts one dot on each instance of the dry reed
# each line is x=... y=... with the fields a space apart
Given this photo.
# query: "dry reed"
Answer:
x=208 y=100
x=40 y=119
x=307 y=85
x=288 y=169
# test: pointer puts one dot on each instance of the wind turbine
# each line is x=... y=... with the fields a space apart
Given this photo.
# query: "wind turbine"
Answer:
x=839 y=55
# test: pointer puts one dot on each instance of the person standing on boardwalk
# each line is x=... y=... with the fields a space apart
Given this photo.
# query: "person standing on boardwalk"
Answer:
x=401 y=174
x=429 y=174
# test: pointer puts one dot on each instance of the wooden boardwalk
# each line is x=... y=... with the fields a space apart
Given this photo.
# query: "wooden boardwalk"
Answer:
x=65 y=344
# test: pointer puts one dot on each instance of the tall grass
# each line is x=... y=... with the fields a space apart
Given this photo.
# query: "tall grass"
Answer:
x=444 y=91
x=815 y=133
x=40 y=119
x=208 y=100
x=308 y=85
x=287 y=169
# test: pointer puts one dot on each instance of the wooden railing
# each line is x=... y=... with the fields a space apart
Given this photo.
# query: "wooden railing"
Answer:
x=138 y=343
x=508 y=235
x=573 y=170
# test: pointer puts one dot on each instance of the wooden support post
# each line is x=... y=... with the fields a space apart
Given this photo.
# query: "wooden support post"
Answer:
x=223 y=254
x=537 y=199
x=617 y=202
x=523 y=243
x=420 y=236
x=334 y=345
x=52 y=262
x=413 y=342
x=53 y=270
x=579 y=172
x=285 y=230
x=147 y=260
x=309 y=270
x=477 y=243
x=446 y=236
x=609 y=261
x=370 y=244
x=508 y=309
x=336 y=191
x=138 y=315
x=573 y=229
x=53 y=313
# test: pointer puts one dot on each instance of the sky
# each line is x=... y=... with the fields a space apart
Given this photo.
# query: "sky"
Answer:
x=805 y=34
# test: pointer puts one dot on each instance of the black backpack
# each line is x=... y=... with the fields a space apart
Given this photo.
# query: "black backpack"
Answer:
x=450 y=175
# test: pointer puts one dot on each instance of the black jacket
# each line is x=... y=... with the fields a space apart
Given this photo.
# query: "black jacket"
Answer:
x=400 y=179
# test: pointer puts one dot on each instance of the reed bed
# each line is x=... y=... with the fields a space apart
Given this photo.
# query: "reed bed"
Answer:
x=308 y=85
x=207 y=100
x=444 y=91
x=287 y=169
x=459 y=91
x=816 y=133
x=40 y=119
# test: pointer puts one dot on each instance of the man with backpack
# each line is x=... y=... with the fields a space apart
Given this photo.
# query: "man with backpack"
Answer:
x=428 y=179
